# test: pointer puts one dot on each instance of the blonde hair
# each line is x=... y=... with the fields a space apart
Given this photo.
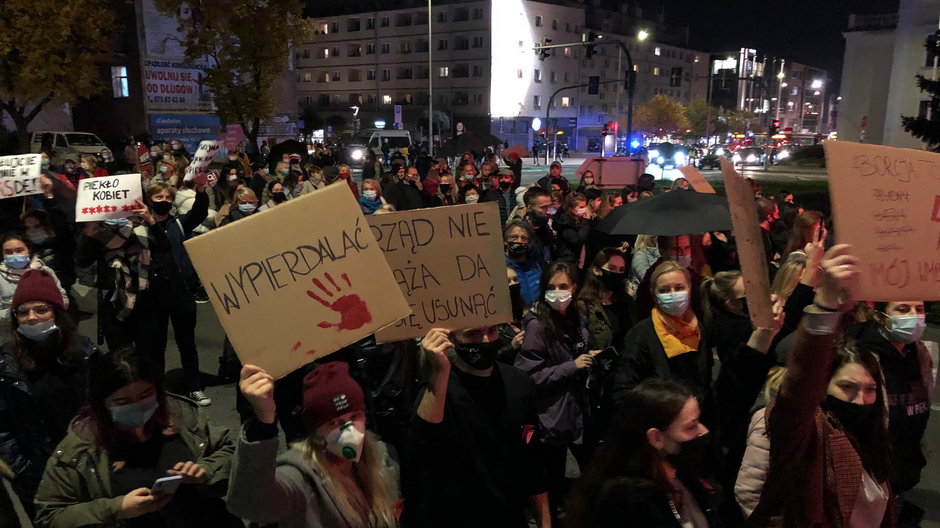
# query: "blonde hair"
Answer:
x=243 y=195
x=377 y=481
x=788 y=276
x=668 y=266
x=375 y=184
x=773 y=382
x=643 y=242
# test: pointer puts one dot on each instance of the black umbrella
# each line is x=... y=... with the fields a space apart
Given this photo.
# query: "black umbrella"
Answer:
x=290 y=146
x=673 y=213
x=469 y=142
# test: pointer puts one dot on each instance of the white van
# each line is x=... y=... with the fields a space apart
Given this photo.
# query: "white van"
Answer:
x=377 y=141
x=67 y=144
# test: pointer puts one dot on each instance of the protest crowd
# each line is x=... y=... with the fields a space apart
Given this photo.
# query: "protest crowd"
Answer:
x=629 y=388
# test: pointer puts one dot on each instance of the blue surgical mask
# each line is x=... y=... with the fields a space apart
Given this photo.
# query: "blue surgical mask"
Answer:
x=135 y=414
x=247 y=208
x=673 y=303
x=16 y=261
x=38 y=332
x=116 y=222
x=908 y=328
x=163 y=169
x=685 y=261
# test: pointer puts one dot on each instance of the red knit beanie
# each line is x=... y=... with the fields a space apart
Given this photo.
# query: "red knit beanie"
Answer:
x=37 y=285
x=330 y=392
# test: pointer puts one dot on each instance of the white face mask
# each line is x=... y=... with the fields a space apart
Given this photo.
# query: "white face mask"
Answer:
x=685 y=261
x=558 y=299
x=346 y=440
x=471 y=198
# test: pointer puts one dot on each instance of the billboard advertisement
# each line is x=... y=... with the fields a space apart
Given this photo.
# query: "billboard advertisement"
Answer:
x=190 y=129
x=175 y=86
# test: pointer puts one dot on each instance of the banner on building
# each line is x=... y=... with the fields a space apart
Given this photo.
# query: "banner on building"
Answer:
x=175 y=86
x=190 y=129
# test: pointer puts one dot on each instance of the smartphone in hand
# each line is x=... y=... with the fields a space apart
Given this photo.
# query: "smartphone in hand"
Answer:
x=166 y=485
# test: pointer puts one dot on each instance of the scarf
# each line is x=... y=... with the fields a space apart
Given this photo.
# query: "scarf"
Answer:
x=677 y=336
x=127 y=252
x=369 y=206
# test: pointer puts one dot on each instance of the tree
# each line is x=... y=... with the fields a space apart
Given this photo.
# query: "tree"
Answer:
x=50 y=54
x=246 y=46
x=698 y=113
x=924 y=128
x=662 y=116
x=441 y=122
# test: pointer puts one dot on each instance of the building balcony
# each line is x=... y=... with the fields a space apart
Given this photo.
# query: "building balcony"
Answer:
x=872 y=22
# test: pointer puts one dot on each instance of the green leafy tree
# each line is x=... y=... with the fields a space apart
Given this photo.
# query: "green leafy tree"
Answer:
x=247 y=46
x=50 y=54
x=441 y=122
x=698 y=113
x=662 y=116
x=924 y=128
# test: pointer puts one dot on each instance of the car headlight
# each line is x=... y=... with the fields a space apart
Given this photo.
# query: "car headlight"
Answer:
x=719 y=152
x=736 y=158
x=654 y=154
x=660 y=160
x=751 y=158
x=680 y=158
x=783 y=154
x=356 y=155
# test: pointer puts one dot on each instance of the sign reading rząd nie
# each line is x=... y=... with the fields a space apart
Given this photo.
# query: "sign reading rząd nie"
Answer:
x=19 y=175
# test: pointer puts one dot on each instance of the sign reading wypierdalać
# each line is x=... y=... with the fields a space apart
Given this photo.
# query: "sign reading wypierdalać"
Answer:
x=299 y=281
x=886 y=204
x=449 y=264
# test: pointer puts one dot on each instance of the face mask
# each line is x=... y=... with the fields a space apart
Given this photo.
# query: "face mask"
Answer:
x=116 y=222
x=611 y=281
x=86 y=167
x=673 y=303
x=232 y=158
x=853 y=417
x=163 y=169
x=505 y=185
x=105 y=157
x=907 y=328
x=344 y=175
x=446 y=187
x=265 y=171
x=588 y=181
x=346 y=440
x=247 y=208
x=285 y=172
x=558 y=299
x=70 y=168
x=278 y=197
x=552 y=211
x=691 y=454
x=516 y=249
x=135 y=414
x=46 y=163
x=16 y=261
x=471 y=198
x=685 y=261
x=38 y=332
x=161 y=208
x=155 y=154
x=37 y=236
x=580 y=211
x=370 y=195
x=480 y=356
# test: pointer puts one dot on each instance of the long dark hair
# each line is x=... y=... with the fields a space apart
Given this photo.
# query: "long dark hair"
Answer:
x=65 y=347
x=110 y=372
x=556 y=326
x=592 y=288
x=626 y=453
x=873 y=443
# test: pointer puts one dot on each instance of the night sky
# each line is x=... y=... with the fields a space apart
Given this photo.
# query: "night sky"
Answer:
x=807 y=31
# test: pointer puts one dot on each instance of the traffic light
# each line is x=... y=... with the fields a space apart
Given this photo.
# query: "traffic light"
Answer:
x=594 y=82
x=774 y=127
x=589 y=46
x=609 y=128
x=543 y=51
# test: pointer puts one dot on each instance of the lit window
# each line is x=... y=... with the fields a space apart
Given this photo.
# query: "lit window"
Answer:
x=387 y=99
x=538 y=76
x=567 y=52
x=538 y=20
x=656 y=71
x=657 y=51
x=119 y=82
x=444 y=72
x=323 y=28
x=565 y=102
x=307 y=77
x=326 y=53
x=636 y=67
x=536 y=101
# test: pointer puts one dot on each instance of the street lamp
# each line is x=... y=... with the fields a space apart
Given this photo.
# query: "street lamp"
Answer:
x=642 y=35
x=817 y=84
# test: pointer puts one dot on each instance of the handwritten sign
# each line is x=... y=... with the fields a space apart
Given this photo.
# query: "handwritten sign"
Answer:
x=202 y=158
x=696 y=180
x=886 y=204
x=289 y=296
x=449 y=264
x=107 y=197
x=19 y=175
x=750 y=243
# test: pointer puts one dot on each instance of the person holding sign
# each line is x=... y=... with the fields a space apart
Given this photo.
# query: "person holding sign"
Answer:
x=340 y=475
x=473 y=450
x=130 y=437
x=18 y=258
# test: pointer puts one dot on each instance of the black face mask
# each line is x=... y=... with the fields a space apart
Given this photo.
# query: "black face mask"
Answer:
x=480 y=356
x=692 y=454
x=516 y=249
x=162 y=208
x=446 y=187
x=611 y=281
x=853 y=417
x=505 y=185
x=278 y=197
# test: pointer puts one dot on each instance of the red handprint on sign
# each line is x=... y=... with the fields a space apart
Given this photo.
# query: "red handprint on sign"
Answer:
x=352 y=309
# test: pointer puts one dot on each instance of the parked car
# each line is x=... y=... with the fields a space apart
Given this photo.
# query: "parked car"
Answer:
x=65 y=144
x=377 y=141
x=749 y=156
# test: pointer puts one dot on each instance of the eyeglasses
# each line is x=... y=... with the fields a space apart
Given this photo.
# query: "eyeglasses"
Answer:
x=517 y=238
x=39 y=309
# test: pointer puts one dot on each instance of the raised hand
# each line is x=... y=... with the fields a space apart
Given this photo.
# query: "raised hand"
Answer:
x=258 y=388
x=191 y=472
x=436 y=344
x=838 y=271
x=352 y=309
x=141 y=501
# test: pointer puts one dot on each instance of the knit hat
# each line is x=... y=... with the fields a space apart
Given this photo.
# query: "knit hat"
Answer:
x=330 y=392
x=37 y=285
x=556 y=163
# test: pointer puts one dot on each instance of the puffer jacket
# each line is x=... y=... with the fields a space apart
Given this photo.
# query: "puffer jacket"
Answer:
x=76 y=488
x=529 y=274
x=753 y=472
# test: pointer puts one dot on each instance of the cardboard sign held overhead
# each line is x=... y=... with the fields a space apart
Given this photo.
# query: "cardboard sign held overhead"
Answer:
x=297 y=282
x=696 y=180
x=107 y=198
x=449 y=264
x=886 y=204
x=750 y=244
x=202 y=158
x=19 y=175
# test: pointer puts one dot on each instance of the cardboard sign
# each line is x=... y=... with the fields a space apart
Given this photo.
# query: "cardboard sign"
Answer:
x=107 y=197
x=750 y=243
x=449 y=264
x=19 y=175
x=886 y=204
x=202 y=158
x=696 y=180
x=297 y=282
